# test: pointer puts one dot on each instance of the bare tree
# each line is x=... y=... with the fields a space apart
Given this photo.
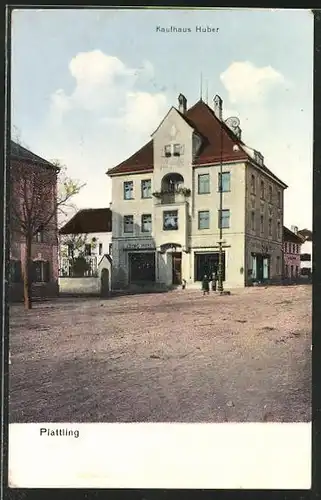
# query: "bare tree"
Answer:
x=39 y=193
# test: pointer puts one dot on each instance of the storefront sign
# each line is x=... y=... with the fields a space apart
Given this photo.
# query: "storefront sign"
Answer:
x=139 y=246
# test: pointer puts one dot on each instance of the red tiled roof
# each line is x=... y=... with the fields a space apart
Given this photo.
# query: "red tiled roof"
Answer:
x=204 y=121
x=290 y=236
x=20 y=153
x=90 y=220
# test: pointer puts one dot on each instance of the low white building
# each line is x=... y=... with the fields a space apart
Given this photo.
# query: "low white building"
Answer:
x=84 y=240
x=306 y=252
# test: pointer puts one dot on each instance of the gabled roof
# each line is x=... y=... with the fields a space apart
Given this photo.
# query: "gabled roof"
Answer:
x=18 y=152
x=213 y=132
x=90 y=220
x=177 y=111
x=306 y=234
x=291 y=237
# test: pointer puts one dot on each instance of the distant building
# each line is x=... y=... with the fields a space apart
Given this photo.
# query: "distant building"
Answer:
x=291 y=253
x=166 y=212
x=44 y=248
x=306 y=252
x=86 y=237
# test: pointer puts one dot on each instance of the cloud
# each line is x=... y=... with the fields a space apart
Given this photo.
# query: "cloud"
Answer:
x=247 y=83
x=105 y=86
x=144 y=110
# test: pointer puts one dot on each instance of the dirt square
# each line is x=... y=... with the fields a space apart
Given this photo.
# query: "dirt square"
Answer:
x=164 y=357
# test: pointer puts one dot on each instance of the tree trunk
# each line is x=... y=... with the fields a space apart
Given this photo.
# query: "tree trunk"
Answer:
x=27 y=292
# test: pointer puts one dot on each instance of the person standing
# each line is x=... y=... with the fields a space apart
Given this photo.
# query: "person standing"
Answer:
x=206 y=285
x=214 y=281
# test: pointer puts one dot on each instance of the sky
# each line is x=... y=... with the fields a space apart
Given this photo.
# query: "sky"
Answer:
x=89 y=86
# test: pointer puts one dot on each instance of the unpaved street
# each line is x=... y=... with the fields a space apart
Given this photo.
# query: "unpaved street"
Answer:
x=174 y=356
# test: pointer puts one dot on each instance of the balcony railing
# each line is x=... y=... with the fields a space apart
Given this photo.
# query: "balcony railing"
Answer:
x=166 y=197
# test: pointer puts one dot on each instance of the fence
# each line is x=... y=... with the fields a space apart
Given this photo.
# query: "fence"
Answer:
x=79 y=267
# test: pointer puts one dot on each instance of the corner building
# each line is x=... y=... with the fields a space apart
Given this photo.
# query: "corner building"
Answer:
x=166 y=205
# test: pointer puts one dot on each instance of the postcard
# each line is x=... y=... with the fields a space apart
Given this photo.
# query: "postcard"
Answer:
x=160 y=274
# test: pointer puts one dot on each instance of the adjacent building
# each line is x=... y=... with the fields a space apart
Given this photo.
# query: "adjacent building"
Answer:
x=166 y=204
x=306 y=252
x=87 y=235
x=30 y=177
x=291 y=253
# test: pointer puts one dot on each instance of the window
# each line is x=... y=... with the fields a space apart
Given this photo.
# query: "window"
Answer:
x=40 y=272
x=87 y=249
x=262 y=190
x=224 y=218
x=176 y=150
x=128 y=223
x=100 y=248
x=262 y=224
x=203 y=183
x=128 y=190
x=253 y=184
x=110 y=248
x=278 y=230
x=279 y=199
x=40 y=236
x=204 y=219
x=226 y=181
x=141 y=267
x=15 y=275
x=253 y=221
x=305 y=257
x=207 y=263
x=270 y=194
x=170 y=220
x=270 y=227
x=147 y=188
x=172 y=150
x=146 y=223
x=278 y=267
x=285 y=247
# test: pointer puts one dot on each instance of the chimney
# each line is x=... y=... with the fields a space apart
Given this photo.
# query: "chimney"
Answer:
x=218 y=107
x=294 y=229
x=182 y=103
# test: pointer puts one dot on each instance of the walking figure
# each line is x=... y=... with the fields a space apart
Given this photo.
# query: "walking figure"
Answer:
x=214 y=280
x=183 y=284
x=206 y=285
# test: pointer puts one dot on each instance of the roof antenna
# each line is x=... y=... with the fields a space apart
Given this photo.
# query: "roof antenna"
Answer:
x=206 y=95
x=201 y=88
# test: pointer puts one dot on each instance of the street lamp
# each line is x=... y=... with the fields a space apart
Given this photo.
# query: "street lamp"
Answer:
x=220 y=242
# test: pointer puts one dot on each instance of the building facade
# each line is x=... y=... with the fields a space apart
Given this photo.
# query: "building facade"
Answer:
x=87 y=236
x=291 y=253
x=166 y=205
x=31 y=177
